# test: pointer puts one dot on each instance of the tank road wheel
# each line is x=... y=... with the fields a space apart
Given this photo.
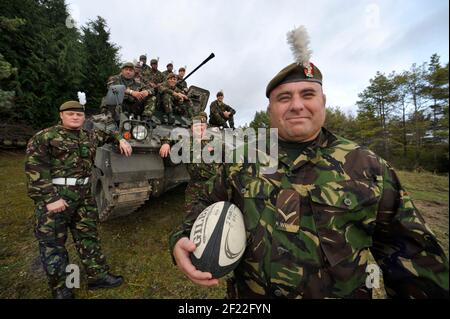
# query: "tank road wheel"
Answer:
x=118 y=199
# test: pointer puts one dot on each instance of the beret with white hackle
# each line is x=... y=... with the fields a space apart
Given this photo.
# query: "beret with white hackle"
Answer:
x=302 y=69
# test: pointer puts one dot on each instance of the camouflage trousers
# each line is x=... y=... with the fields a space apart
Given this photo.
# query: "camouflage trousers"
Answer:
x=223 y=123
x=145 y=107
x=172 y=105
x=51 y=232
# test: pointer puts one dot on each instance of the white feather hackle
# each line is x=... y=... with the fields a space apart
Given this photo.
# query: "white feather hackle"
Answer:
x=298 y=39
x=82 y=98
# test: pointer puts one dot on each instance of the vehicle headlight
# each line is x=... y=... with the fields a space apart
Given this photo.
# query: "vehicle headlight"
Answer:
x=139 y=132
x=127 y=126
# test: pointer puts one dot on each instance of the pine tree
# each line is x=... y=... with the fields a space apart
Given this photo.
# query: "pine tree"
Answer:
x=101 y=60
x=261 y=120
x=376 y=104
x=47 y=56
x=437 y=91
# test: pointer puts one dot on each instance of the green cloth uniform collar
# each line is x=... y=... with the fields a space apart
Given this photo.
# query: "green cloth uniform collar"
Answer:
x=293 y=149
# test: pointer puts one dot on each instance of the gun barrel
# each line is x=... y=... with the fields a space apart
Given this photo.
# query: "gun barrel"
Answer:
x=199 y=66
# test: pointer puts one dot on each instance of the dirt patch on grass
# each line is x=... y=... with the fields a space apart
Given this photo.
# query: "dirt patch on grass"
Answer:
x=436 y=216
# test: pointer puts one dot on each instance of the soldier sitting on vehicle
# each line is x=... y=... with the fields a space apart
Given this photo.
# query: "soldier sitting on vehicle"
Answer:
x=139 y=99
x=182 y=84
x=173 y=100
x=168 y=71
x=154 y=78
x=141 y=69
x=220 y=113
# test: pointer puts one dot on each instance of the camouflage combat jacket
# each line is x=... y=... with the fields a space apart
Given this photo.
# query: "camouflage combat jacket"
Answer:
x=166 y=89
x=197 y=169
x=314 y=225
x=166 y=73
x=141 y=72
x=133 y=84
x=57 y=152
x=155 y=77
x=216 y=109
x=182 y=84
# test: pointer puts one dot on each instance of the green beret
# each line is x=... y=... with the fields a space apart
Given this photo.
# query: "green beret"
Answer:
x=71 y=106
x=128 y=65
x=143 y=57
x=154 y=61
x=201 y=117
x=295 y=73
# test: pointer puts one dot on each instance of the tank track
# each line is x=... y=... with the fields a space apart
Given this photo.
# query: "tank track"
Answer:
x=125 y=199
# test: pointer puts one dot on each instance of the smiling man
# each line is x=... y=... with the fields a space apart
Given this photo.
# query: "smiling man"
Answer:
x=58 y=167
x=331 y=212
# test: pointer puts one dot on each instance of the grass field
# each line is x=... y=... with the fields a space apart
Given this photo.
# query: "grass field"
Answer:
x=136 y=246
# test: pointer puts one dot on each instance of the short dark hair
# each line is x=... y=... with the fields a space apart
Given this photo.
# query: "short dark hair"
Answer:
x=219 y=94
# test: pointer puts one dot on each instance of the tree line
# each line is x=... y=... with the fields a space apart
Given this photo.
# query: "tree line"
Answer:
x=402 y=116
x=45 y=60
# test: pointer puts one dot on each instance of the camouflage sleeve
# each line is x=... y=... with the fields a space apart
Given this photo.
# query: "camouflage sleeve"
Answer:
x=165 y=90
x=38 y=171
x=102 y=137
x=230 y=109
x=161 y=78
x=216 y=114
x=412 y=262
x=165 y=140
x=216 y=190
x=145 y=87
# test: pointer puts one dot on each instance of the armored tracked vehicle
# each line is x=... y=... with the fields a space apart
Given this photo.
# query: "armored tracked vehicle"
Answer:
x=122 y=184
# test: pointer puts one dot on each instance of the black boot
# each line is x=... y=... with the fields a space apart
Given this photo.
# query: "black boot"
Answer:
x=63 y=293
x=109 y=281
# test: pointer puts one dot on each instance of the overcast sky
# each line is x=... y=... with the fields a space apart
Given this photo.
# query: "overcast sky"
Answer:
x=351 y=40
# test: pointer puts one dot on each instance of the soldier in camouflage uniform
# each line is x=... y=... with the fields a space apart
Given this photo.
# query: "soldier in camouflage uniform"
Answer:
x=173 y=100
x=316 y=222
x=154 y=77
x=139 y=98
x=181 y=83
x=58 y=167
x=221 y=113
x=140 y=68
x=168 y=71
x=199 y=171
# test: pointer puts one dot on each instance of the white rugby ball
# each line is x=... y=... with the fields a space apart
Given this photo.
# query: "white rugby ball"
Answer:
x=219 y=234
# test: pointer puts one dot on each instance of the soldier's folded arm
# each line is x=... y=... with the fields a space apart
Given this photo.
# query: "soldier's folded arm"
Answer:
x=37 y=170
x=412 y=262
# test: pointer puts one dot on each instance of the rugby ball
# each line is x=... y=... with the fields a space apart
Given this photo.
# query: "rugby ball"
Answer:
x=219 y=234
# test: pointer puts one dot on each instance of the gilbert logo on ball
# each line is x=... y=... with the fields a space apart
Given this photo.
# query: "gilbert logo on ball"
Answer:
x=219 y=234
